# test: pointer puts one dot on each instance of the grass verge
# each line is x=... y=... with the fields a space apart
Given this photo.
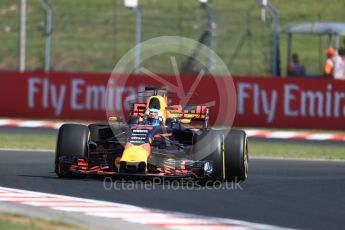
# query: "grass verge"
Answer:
x=31 y=141
x=18 y=222
x=281 y=149
x=297 y=150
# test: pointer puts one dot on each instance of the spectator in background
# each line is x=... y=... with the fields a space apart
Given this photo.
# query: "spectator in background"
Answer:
x=334 y=67
x=295 y=68
x=342 y=55
x=329 y=64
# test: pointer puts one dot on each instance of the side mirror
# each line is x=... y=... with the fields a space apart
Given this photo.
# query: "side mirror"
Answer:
x=117 y=118
x=185 y=121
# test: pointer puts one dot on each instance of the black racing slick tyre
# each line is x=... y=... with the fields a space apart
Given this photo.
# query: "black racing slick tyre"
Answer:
x=236 y=155
x=228 y=152
x=73 y=141
x=208 y=147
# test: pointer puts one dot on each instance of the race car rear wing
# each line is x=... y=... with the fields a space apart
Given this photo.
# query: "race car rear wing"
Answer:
x=138 y=109
x=195 y=113
x=188 y=111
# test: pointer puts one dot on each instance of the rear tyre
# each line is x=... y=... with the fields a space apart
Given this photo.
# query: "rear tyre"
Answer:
x=72 y=141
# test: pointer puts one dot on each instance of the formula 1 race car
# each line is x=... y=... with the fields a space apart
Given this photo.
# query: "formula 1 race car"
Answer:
x=157 y=141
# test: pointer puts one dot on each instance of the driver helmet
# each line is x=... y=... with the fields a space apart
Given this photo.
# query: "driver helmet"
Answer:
x=153 y=117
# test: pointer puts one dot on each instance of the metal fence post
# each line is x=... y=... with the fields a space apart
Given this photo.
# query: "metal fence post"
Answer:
x=289 y=47
x=275 y=38
x=264 y=4
x=48 y=35
x=211 y=25
x=138 y=24
x=22 y=35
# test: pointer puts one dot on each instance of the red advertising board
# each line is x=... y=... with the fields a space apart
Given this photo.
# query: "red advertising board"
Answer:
x=290 y=103
x=256 y=101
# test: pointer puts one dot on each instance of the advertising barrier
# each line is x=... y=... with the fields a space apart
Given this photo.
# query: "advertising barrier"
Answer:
x=256 y=102
x=290 y=103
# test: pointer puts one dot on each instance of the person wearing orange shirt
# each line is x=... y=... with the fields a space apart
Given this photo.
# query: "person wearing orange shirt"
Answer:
x=329 y=64
x=334 y=66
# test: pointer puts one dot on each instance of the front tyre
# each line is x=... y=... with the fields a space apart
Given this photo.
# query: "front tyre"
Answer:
x=235 y=155
x=228 y=152
x=72 y=142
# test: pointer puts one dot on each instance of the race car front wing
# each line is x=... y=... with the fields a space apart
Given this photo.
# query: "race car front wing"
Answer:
x=178 y=169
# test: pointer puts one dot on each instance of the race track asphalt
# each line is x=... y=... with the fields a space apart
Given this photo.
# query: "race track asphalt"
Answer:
x=299 y=194
x=287 y=193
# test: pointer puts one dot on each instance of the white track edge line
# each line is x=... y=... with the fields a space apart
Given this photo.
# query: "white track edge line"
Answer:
x=230 y=221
